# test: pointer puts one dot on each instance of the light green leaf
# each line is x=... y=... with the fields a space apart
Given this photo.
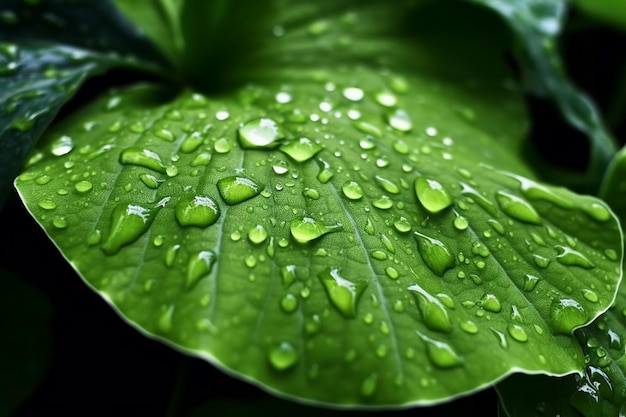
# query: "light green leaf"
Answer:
x=537 y=25
x=345 y=227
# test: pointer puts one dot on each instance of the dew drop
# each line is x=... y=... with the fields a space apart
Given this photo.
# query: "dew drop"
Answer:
x=469 y=327
x=289 y=303
x=383 y=202
x=567 y=314
x=460 y=223
x=440 y=353
x=541 y=261
x=62 y=146
x=170 y=255
x=343 y=294
x=257 y=234
x=353 y=93
x=260 y=133
x=197 y=210
x=235 y=190
x=191 y=143
x=222 y=146
x=144 y=158
x=352 y=190
x=517 y=332
x=399 y=120
x=200 y=265
x=402 y=225
x=367 y=128
x=392 y=272
x=283 y=356
x=434 y=313
x=517 y=208
x=47 y=204
x=325 y=173
x=491 y=303
x=288 y=275
x=165 y=134
x=570 y=257
x=165 y=320
x=311 y=193
x=434 y=253
x=306 y=229
x=128 y=223
x=386 y=98
x=432 y=195
x=369 y=385
x=590 y=295
x=59 y=222
x=598 y=212
x=387 y=185
x=301 y=150
x=530 y=282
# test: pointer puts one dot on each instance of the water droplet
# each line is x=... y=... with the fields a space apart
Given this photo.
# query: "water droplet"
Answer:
x=164 y=134
x=611 y=254
x=399 y=120
x=402 y=225
x=530 y=282
x=306 y=229
x=590 y=295
x=144 y=158
x=191 y=143
x=289 y=303
x=235 y=190
x=367 y=128
x=501 y=338
x=434 y=253
x=598 y=211
x=491 y=303
x=197 y=210
x=570 y=257
x=369 y=385
x=541 y=261
x=62 y=146
x=47 y=204
x=170 y=255
x=478 y=248
x=325 y=173
x=517 y=332
x=460 y=223
x=392 y=272
x=469 y=327
x=83 y=186
x=59 y=222
x=128 y=223
x=386 y=98
x=260 y=133
x=353 y=93
x=566 y=315
x=387 y=243
x=383 y=202
x=352 y=190
x=301 y=150
x=432 y=195
x=288 y=275
x=222 y=146
x=165 y=320
x=199 y=265
x=517 y=208
x=440 y=353
x=257 y=234
x=387 y=185
x=283 y=356
x=343 y=294
x=434 y=313
x=311 y=193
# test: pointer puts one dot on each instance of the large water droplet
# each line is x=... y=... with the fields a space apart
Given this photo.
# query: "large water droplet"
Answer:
x=306 y=229
x=283 y=356
x=432 y=195
x=434 y=313
x=197 y=210
x=257 y=234
x=199 y=265
x=517 y=208
x=491 y=303
x=517 y=332
x=235 y=190
x=434 y=253
x=343 y=294
x=62 y=146
x=566 y=315
x=144 y=158
x=440 y=353
x=399 y=119
x=570 y=257
x=301 y=150
x=352 y=190
x=128 y=223
x=260 y=133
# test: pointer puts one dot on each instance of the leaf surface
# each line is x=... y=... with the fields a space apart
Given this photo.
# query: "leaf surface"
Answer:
x=349 y=225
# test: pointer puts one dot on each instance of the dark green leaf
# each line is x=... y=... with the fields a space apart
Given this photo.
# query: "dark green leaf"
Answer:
x=609 y=11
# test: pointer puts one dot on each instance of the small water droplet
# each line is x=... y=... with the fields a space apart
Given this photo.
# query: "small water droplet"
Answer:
x=311 y=193
x=517 y=332
x=590 y=295
x=434 y=253
x=469 y=327
x=517 y=208
x=478 y=248
x=325 y=173
x=402 y=225
x=257 y=234
x=460 y=223
x=47 y=204
x=570 y=257
x=353 y=93
x=301 y=150
x=222 y=146
x=386 y=98
x=432 y=195
x=200 y=265
x=235 y=189
x=283 y=356
x=128 y=223
x=383 y=202
x=260 y=133
x=566 y=315
x=440 y=353
x=197 y=210
x=367 y=128
x=369 y=385
x=399 y=119
x=541 y=261
x=165 y=320
x=62 y=146
x=306 y=229
x=191 y=143
x=392 y=272
x=343 y=294
x=288 y=275
x=530 y=282
x=289 y=303
x=59 y=222
x=387 y=185
x=434 y=313
x=352 y=190
x=491 y=303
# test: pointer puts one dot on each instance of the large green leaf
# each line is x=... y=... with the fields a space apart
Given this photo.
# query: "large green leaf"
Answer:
x=350 y=225
x=537 y=26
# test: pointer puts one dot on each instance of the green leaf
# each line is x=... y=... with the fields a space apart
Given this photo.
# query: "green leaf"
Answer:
x=537 y=25
x=25 y=353
x=609 y=11
x=349 y=225
x=36 y=81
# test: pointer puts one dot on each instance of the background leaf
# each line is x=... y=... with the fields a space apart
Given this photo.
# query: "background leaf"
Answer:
x=537 y=25
x=335 y=217
x=609 y=11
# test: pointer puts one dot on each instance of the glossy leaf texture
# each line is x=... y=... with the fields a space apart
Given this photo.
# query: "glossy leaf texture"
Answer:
x=348 y=226
x=537 y=25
